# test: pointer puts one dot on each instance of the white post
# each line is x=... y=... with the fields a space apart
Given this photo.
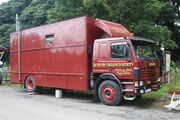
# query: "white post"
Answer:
x=167 y=61
x=58 y=93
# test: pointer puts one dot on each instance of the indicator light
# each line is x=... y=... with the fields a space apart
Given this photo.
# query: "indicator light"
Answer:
x=136 y=83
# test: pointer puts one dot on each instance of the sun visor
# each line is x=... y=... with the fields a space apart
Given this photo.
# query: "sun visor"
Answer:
x=113 y=29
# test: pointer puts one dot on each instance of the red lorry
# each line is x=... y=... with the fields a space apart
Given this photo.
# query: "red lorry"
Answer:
x=85 y=54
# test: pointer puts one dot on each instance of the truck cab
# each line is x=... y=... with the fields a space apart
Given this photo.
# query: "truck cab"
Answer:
x=125 y=67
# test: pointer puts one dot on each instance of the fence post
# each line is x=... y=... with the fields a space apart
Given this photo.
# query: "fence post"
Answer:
x=166 y=65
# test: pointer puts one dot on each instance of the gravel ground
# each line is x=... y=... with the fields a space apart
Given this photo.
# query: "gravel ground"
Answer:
x=16 y=104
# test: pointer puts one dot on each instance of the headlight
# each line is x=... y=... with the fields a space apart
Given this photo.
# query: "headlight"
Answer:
x=141 y=91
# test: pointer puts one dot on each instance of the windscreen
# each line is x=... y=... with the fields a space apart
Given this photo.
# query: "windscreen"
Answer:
x=144 y=50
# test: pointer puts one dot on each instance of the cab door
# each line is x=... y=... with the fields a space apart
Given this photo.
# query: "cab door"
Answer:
x=120 y=59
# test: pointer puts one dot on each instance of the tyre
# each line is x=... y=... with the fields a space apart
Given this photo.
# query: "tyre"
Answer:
x=30 y=84
x=1 y=78
x=110 y=93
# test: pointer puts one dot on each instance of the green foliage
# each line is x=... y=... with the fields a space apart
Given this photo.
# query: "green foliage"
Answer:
x=175 y=76
x=132 y=11
x=36 y=13
x=5 y=30
x=97 y=8
x=161 y=93
x=65 y=9
x=10 y=9
x=170 y=17
x=7 y=19
x=175 y=70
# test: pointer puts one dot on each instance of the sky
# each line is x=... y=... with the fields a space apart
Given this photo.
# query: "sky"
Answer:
x=1 y=1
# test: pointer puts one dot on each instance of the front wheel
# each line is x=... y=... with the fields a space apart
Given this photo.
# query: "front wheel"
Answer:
x=110 y=93
x=30 y=84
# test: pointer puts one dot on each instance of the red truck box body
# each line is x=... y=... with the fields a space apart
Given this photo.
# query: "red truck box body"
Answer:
x=63 y=63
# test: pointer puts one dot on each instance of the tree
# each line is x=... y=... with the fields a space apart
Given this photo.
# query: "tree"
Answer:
x=36 y=13
x=7 y=19
x=170 y=17
x=66 y=9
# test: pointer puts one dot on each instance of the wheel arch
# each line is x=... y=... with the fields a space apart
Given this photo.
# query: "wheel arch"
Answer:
x=107 y=76
x=31 y=84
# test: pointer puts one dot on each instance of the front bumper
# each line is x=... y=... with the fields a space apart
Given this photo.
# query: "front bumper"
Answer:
x=149 y=88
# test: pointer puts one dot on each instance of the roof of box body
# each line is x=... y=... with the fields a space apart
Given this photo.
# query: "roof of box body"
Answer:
x=111 y=28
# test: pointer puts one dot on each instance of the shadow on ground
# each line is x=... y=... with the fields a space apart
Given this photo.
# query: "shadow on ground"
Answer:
x=69 y=94
x=89 y=97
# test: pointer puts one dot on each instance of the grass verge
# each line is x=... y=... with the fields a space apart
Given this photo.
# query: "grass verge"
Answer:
x=156 y=99
x=8 y=83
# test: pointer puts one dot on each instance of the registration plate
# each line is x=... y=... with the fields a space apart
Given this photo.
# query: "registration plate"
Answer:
x=148 y=90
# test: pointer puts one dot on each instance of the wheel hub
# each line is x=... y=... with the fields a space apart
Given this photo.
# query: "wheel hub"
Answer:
x=30 y=84
x=108 y=93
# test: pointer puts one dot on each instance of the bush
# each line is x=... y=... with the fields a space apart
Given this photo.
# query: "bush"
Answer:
x=175 y=76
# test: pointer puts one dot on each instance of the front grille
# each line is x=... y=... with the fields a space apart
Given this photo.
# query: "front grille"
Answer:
x=149 y=74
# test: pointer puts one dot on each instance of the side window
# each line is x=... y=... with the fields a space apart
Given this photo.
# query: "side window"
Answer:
x=49 y=39
x=120 y=50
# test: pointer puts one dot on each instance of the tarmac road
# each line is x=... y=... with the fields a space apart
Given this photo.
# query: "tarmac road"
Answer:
x=16 y=104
